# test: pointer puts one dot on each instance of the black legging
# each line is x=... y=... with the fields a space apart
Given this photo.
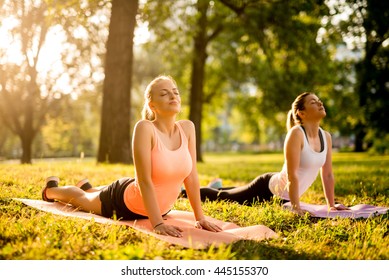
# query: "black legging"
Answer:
x=256 y=191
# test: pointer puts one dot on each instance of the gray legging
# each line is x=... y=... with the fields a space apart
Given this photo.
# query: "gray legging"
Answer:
x=256 y=191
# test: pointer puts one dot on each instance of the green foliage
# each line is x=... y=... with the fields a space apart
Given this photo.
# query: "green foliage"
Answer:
x=366 y=31
x=68 y=36
x=27 y=234
x=380 y=145
x=265 y=53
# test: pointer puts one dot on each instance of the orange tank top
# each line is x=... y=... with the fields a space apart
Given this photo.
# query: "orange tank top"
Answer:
x=169 y=168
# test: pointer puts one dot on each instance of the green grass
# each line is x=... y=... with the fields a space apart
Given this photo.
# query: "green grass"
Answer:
x=27 y=233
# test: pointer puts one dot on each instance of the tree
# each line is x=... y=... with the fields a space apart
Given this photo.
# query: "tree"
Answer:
x=202 y=37
x=373 y=71
x=366 y=31
x=22 y=107
x=262 y=51
x=115 y=143
x=285 y=56
x=188 y=28
x=29 y=91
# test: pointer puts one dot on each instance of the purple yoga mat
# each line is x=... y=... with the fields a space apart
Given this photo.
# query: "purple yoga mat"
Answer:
x=356 y=211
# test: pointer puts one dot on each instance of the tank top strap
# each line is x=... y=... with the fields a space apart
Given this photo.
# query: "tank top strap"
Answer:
x=184 y=139
x=306 y=144
x=323 y=141
x=156 y=138
x=158 y=143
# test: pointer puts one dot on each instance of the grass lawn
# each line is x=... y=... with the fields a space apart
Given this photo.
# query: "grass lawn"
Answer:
x=29 y=234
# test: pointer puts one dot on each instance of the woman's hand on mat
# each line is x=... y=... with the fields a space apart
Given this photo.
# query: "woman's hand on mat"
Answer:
x=339 y=207
x=168 y=230
x=204 y=224
x=301 y=212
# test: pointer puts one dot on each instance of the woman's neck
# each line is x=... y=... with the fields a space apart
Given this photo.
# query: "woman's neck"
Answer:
x=311 y=128
x=165 y=125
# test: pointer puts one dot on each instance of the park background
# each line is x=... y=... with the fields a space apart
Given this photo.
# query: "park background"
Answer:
x=72 y=73
x=72 y=76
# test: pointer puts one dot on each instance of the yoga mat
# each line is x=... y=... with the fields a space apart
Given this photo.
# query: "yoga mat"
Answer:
x=192 y=237
x=357 y=211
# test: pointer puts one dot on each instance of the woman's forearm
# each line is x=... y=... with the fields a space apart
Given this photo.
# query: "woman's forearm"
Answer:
x=193 y=192
x=151 y=205
x=294 y=194
x=329 y=189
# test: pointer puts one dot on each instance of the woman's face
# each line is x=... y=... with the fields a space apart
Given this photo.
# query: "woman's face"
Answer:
x=165 y=98
x=313 y=107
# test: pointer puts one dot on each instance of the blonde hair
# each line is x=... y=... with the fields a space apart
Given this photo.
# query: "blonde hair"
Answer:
x=297 y=105
x=147 y=113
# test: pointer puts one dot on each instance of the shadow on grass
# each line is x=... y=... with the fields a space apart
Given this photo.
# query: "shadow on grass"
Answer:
x=249 y=250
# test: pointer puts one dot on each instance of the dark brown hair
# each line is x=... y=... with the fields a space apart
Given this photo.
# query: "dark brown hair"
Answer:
x=297 y=105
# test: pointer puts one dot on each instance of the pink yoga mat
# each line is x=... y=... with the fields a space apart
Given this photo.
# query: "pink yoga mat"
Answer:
x=357 y=211
x=192 y=237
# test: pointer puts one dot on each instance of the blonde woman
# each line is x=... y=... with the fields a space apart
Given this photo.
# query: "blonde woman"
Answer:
x=164 y=153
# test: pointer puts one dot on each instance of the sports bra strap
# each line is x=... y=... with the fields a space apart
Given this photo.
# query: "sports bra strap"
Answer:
x=320 y=137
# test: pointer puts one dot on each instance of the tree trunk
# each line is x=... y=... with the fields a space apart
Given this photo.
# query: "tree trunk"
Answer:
x=360 y=128
x=359 y=137
x=198 y=74
x=26 y=150
x=28 y=131
x=115 y=136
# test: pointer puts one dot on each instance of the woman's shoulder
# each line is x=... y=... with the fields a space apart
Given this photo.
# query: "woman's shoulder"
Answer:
x=295 y=131
x=188 y=127
x=143 y=125
x=186 y=124
x=295 y=137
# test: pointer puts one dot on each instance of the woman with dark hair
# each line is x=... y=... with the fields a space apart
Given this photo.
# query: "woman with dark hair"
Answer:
x=307 y=150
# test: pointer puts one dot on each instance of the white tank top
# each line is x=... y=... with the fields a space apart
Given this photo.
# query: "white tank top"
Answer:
x=310 y=164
